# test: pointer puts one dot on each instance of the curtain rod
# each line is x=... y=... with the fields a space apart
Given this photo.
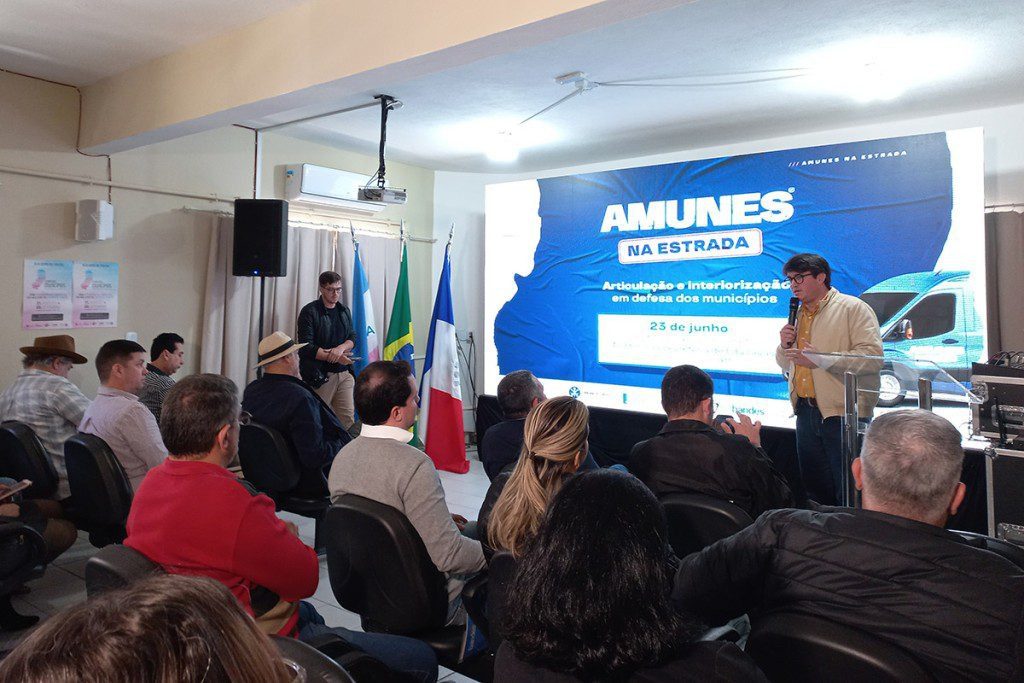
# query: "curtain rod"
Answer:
x=333 y=226
x=84 y=180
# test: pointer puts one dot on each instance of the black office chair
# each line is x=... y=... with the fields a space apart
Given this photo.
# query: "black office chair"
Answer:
x=474 y=599
x=797 y=648
x=695 y=521
x=22 y=457
x=380 y=569
x=1005 y=549
x=101 y=494
x=25 y=552
x=270 y=465
x=319 y=667
x=116 y=566
x=500 y=570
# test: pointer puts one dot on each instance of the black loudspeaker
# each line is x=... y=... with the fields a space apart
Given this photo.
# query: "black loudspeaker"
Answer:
x=261 y=238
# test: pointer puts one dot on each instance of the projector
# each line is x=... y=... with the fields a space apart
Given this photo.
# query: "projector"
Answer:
x=387 y=195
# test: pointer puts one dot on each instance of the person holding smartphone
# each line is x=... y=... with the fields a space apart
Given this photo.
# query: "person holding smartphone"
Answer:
x=326 y=331
x=58 y=535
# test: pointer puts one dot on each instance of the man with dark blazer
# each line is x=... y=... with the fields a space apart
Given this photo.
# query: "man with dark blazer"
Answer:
x=889 y=568
x=691 y=455
x=282 y=401
x=518 y=393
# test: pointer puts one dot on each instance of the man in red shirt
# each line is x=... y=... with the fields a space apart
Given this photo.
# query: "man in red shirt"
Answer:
x=192 y=516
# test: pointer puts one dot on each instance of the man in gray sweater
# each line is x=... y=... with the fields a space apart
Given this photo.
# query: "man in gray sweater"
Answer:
x=381 y=465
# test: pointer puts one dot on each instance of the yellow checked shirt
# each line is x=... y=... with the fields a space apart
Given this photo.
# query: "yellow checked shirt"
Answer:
x=803 y=381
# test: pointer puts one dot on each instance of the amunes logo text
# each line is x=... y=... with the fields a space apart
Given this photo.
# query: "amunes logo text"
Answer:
x=732 y=209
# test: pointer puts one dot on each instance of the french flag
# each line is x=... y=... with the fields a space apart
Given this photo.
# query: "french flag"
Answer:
x=441 y=426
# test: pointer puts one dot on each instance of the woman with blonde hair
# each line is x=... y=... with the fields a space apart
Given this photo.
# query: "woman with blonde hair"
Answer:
x=554 y=445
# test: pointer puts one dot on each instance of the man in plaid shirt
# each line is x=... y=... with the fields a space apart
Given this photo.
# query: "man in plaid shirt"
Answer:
x=44 y=398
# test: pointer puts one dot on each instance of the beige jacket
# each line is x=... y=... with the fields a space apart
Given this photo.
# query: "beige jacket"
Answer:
x=844 y=324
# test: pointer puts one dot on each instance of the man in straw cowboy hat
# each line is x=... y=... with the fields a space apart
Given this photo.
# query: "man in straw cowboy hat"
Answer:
x=45 y=399
x=282 y=401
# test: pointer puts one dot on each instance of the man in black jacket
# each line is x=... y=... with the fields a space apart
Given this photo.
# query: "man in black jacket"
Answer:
x=518 y=393
x=282 y=401
x=326 y=332
x=690 y=455
x=889 y=569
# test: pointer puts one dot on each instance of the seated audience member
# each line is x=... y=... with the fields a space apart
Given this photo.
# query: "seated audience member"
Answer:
x=889 y=569
x=380 y=465
x=164 y=628
x=44 y=398
x=554 y=445
x=691 y=455
x=590 y=597
x=518 y=392
x=282 y=401
x=166 y=356
x=117 y=416
x=58 y=535
x=192 y=516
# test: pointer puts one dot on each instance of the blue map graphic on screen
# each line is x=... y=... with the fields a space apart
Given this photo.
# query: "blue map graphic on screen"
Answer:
x=873 y=209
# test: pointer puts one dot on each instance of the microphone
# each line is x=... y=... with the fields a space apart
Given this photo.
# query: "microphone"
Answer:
x=794 y=306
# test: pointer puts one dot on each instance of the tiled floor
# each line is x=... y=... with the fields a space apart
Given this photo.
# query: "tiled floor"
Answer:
x=63 y=584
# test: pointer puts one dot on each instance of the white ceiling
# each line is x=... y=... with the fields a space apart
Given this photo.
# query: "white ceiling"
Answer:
x=969 y=55
x=972 y=54
x=81 y=41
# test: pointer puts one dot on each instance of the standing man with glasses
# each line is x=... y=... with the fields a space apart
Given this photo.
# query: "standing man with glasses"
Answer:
x=828 y=322
x=325 y=362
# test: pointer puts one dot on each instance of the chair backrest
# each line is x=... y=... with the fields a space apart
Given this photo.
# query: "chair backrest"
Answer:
x=116 y=566
x=797 y=648
x=1005 y=549
x=22 y=457
x=695 y=521
x=22 y=549
x=319 y=667
x=100 y=491
x=380 y=569
x=500 y=570
x=267 y=459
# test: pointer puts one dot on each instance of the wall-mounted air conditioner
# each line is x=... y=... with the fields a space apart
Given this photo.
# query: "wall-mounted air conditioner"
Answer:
x=321 y=186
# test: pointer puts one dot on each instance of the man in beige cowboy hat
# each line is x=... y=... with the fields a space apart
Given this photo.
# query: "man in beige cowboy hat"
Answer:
x=45 y=399
x=282 y=401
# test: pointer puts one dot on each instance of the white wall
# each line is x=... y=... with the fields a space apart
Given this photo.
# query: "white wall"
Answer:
x=459 y=197
x=162 y=250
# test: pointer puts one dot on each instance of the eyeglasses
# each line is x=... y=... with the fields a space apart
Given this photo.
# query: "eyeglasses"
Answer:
x=797 y=279
x=332 y=290
x=244 y=418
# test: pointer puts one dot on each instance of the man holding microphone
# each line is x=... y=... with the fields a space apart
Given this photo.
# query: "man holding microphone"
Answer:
x=827 y=322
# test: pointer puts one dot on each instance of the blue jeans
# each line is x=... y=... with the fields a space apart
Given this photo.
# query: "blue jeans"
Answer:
x=819 y=450
x=407 y=655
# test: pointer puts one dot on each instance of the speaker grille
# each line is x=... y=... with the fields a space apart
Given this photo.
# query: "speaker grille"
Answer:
x=261 y=238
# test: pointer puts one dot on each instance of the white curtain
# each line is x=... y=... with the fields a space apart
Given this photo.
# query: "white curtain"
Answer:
x=231 y=304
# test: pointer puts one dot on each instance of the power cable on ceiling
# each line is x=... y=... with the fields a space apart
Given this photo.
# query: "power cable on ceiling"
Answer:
x=78 y=131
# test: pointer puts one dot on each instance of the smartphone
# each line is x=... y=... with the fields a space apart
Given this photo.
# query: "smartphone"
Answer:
x=17 y=488
x=720 y=421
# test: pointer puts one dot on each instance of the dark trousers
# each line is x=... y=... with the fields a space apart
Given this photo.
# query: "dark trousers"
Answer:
x=819 y=450
x=399 y=653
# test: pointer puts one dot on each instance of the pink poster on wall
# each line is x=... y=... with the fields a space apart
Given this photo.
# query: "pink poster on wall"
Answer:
x=95 y=294
x=46 y=302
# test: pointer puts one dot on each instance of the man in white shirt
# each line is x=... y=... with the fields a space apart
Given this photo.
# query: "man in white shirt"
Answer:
x=118 y=417
x=380 y=465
